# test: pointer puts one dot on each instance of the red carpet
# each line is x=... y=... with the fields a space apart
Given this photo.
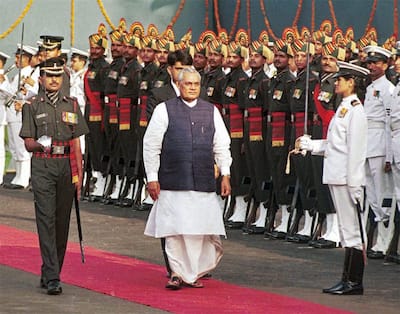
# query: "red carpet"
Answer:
x=137 y=281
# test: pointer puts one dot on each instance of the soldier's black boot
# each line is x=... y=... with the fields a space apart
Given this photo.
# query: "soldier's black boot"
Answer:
x=345 y=275
x=391 y=254
x=354 y=284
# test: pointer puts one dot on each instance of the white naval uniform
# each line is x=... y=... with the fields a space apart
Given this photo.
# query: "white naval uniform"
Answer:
x=3 y=122
x=376 y=105
x=395 y=140
x=76 y=81
x=14 y=122
x=344 y=153
x=190 y=221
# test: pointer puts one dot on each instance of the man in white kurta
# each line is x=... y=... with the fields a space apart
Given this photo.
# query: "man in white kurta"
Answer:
x=190 y=220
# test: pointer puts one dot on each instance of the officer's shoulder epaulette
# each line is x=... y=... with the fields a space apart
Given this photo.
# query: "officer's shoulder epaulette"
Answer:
x=355 y=102
x=70 y=98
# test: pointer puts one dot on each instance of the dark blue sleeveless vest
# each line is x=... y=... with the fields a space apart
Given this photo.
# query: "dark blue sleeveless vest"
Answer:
x=187 y=157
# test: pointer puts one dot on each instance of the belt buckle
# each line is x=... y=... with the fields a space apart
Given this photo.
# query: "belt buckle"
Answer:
x=58 y=150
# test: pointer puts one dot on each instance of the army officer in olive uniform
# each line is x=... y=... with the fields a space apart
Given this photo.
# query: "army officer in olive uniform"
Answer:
x=51 y=126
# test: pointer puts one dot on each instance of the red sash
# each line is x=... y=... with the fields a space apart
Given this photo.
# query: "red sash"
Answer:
x=95 y=109
x=143 y=116
x=236 y=121
x=255 y=123
x=124 y=113
x=278 y=124
x=325 y=114
x=112 y=104
x=299 y=123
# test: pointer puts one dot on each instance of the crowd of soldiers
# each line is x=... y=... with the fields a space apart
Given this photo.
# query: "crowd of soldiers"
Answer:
x=268 y=93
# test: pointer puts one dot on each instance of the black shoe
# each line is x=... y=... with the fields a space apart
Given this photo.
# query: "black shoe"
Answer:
x=339 y=286
x=43 y=283
x=278 y=235
x=375 y=254
x=256 y=230
x=143 y=207
x=234 y=224
x=13 y=186
x=126 y=202
x=54 y=287
x=349 y=288
x=325 y=244
x=298 y=238
x=109 y=201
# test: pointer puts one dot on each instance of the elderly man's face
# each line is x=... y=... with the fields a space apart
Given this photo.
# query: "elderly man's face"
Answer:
x=189 y=87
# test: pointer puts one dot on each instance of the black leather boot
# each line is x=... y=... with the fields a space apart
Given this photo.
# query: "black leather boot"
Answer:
x=354 y=284
x=345 y=275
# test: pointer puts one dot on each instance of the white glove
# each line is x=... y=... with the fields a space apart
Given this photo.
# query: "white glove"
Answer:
x=306 y=143
x=355 y=193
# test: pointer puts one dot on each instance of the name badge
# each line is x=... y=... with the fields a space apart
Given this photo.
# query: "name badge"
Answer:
x=70 y=117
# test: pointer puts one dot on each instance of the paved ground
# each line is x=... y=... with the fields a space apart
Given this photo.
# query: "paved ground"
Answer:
x=274 y=266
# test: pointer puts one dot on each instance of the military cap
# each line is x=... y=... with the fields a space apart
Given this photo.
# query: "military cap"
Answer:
x=132 y=40
x=99 y=39
x=51 y=42
x=299 y=45
x=350 y=70
x=149 y=42
x=263 y=50
x=218 y=47
x=52 y=66
x=200 y=48
x=26 y=50
x=321 y=37
x=4 y=57
x=330 y=49
x=350 y=44
x=283 y=46
x=165 y=44
x=242 y=38
x=237 y=49
x=80 y=53
x=116 y=36
x=376 y=53
x=289 y=35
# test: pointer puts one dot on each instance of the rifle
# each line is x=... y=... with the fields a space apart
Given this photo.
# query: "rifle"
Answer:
x=392 y=249
x=78 y=221
x=88 y=170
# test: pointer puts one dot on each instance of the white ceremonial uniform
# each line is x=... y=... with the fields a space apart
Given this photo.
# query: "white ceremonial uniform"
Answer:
x=3 y=122
x=376 y=105
x=344 y=153
x=395 y=140
x=77 y=90
x=191 y=221
x=14 y=123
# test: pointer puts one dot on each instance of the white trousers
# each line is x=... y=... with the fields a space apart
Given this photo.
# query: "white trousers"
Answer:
x=349 y=227
x=377 y=186
x=15 y=143
x=396 y=181
x=193 y=256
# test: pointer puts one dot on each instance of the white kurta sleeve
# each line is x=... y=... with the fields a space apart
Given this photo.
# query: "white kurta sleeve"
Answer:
x=222 y=141
x=357 y=147
x=152 y=141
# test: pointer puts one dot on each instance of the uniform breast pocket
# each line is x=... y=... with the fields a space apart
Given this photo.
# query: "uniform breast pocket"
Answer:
x=43 y=124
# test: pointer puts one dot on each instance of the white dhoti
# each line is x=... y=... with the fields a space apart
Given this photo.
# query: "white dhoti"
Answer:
x=192 y=256
x=191 y=223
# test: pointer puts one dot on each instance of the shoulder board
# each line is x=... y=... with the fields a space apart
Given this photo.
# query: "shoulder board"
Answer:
x=70 y=98
x=355 y=102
